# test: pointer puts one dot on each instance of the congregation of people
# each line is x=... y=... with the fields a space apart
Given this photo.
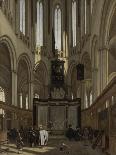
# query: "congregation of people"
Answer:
x=39 y=137
x=77 y=134
x=28 y=137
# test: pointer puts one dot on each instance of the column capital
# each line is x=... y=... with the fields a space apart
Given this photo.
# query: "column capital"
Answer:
x=83 y=82
x=95 y=69
x=68 y=85
x=31 y=81
x=14 y=71
x=45 y=85
x=86 y=80
x=104 y=48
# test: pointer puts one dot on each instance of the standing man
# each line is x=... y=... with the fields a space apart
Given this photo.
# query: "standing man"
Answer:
x=32 y=137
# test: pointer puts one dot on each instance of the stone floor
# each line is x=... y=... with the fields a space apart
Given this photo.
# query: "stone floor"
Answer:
x=54 y=148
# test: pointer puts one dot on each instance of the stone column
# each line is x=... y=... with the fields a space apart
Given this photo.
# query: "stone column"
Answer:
x=100 y=69
x=24 y=100
x=96 y=119
x=88 y=89
x=110 y=117
x=82 y=94
x=14 y=88
x=30 y=95
x=66 y=124
x=46 y=94
x=94 y=82
x=69 y=91
x=104 y=67
x=19 y=100
x=98 y=74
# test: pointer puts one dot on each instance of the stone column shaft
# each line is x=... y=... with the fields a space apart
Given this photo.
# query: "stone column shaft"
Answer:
x=103 y=67
x=14 y=88
x=31 y=95
x=94 y=82
x=82 y=94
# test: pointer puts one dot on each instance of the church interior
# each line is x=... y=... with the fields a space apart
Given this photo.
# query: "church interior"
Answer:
x=57 y=67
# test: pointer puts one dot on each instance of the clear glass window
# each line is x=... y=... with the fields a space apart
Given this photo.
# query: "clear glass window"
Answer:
x=2 y=94
x=74 y=22
x=22 y=16
x=39 y=34
x=57 y=27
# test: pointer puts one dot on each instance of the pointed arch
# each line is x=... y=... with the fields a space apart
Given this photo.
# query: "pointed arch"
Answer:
x=44 y=69
x=24 y=79
x=25 y=57
x=106 y=18
x=6 y=40
x=69 y=72
x=85 y=59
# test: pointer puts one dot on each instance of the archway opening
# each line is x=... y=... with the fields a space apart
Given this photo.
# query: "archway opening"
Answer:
x=5 y=75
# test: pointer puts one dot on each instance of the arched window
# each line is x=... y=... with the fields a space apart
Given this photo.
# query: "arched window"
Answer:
x=107 y=104
x=113 y=100
x=57 y=27
x=91 y=98
x=74 y=22
x=92 y=2
x=21 y=100
x=22 y=16
x=2 y=94
x=86 y=100
x=2 y=112
x=27 y=102
x=85 y=17
x=72 y=96
x=39 y=31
